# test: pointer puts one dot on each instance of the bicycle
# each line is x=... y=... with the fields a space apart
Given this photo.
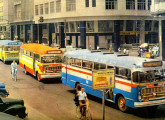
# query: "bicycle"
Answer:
x=84 y=114
x=15 y=74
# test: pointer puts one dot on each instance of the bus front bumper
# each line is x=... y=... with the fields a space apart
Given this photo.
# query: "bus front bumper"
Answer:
x=149 y=103
x=47 y=76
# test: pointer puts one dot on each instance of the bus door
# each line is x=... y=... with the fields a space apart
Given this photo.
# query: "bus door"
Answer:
x=34 y=59
x=109 y=94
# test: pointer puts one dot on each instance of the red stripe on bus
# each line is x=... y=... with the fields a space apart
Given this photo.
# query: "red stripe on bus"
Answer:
x=77 y=71
x=128 y=84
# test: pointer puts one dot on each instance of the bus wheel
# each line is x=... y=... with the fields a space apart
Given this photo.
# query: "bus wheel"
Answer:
x=25 y=70
x=38 y=78
x=122 y=104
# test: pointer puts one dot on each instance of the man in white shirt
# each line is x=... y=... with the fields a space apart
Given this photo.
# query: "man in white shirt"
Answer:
x=13 y=68
x=82 y=98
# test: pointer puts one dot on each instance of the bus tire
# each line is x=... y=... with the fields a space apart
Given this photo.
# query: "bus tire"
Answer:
x=25 y=70
x=122 y=104
x=37 y=76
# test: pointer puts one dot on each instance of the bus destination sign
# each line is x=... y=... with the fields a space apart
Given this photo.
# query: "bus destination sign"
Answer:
x=103 y=79
x=152 y=64
x=54 y=52
x=12 y=43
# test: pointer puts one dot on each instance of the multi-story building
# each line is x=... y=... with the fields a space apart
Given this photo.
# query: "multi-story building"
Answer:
x=22 y=26
x=6 y=16
x=158 y=12
x=92 y=23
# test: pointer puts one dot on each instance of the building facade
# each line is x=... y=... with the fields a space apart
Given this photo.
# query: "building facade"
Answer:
x=92 y=23
x=22 y=26
x=6 y=16
x=158 y=11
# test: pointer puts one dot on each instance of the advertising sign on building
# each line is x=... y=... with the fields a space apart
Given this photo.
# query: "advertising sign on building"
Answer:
x=103 y=79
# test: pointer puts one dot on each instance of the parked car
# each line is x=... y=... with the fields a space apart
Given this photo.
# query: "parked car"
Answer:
x=3 y=91
x=13 y=107
x=4 y=116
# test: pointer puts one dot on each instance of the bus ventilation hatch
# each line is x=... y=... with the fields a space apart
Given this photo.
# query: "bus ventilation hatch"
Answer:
x=121 y=55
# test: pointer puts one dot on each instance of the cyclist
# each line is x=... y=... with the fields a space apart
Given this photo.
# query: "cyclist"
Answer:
x=82 y=99
x=13 y=68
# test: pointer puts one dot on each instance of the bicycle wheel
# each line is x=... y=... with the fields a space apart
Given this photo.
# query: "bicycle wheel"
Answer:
x=88 y=115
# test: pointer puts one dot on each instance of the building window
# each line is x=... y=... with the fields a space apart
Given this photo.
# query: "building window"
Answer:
x=129 y=25
x=90 y=26
x=41 y=9
x=93 y=3
x=148 y=24
x=70 y=5
x=36 y=9
x=149 y=4
x=141 y=5
x=130 y=4
x=72 y=27
x=46 y=8
x=87 y=3
x=105 y=26
x=58 y=6
x=110 y=4
x=52 y=7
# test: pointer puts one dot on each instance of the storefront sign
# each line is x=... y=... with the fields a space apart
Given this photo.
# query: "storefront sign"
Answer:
x=103 y=79
x=130 y=33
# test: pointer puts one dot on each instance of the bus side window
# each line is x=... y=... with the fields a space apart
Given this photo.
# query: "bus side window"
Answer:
x=110 y=67
x=96 y=66
x=64 y=60
x=78 y=63
x=135 y=77
x=24 y=52
x=87 y=65
x=102 y=66
x=117 y=70
x=69 y=61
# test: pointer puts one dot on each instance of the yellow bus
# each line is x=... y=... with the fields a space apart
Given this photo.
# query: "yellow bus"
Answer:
x=42 y=61
x=9 y=50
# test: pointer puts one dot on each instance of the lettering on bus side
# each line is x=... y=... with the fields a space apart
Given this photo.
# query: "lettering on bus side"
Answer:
x=54 y=52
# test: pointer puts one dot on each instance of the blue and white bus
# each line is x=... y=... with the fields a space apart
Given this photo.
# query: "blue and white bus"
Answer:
x=139 y=82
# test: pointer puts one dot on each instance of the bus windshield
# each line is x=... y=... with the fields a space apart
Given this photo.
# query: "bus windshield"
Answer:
x=51 y=59
x=11 y=48
x=148 y=76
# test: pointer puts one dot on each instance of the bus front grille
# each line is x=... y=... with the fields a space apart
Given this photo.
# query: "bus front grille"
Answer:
x=154 y=92
x=56 y=69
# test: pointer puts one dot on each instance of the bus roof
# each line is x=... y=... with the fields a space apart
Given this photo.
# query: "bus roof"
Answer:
x=40 y=49
x=9 y=43
x=131 y=62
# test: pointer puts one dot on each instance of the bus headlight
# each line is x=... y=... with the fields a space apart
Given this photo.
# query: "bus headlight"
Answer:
x=139 y=97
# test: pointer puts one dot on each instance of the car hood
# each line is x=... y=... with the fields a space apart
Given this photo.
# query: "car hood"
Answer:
x=12 y=101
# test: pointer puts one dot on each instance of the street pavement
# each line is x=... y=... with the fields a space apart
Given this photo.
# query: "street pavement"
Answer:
x=54 y=101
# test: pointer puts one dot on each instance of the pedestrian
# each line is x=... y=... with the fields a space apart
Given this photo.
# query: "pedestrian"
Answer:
x=13 y=68
x=124 y=50
x=141 y=52
x=127 y=51
x=119 y=50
